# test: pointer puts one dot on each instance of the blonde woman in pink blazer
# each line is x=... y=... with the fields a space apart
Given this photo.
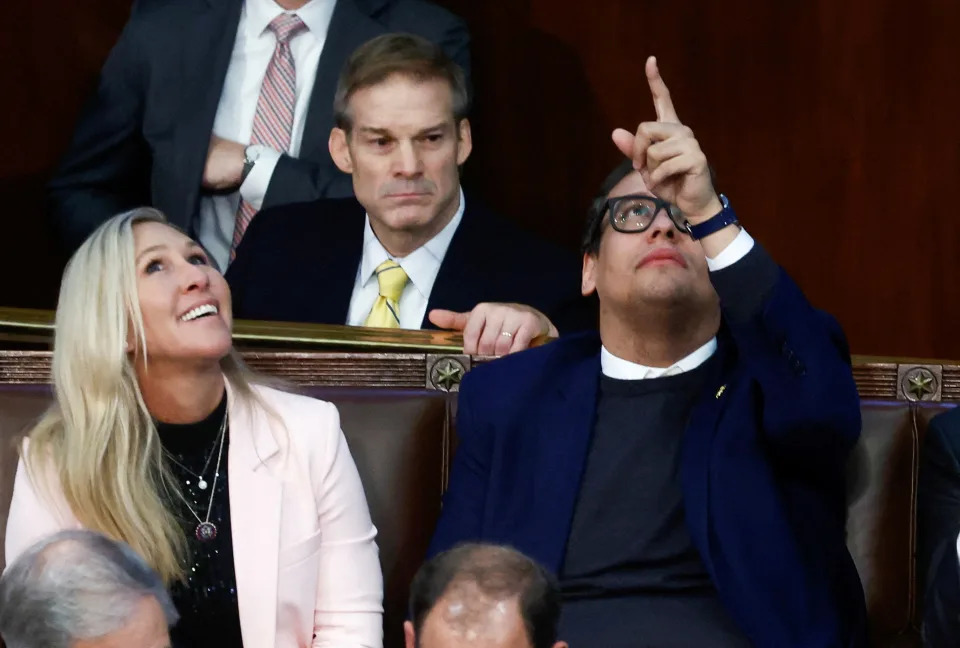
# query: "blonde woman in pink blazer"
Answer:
x=243 y=497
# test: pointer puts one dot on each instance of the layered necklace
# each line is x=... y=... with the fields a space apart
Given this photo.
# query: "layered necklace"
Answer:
x=205 y=530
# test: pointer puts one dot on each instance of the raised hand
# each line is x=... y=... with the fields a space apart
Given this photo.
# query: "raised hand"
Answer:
x=668 y=156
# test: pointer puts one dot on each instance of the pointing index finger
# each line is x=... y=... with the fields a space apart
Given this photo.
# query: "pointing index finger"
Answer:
x=661 y=95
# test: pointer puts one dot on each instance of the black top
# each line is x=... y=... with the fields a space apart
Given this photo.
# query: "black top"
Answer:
x=207 y=600
x=631 y=575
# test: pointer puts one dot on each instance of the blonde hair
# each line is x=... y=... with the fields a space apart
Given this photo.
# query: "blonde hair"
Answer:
x=98 y=435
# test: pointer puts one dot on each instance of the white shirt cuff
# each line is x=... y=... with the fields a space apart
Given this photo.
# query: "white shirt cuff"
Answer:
x=736 y=250
x=254 y=188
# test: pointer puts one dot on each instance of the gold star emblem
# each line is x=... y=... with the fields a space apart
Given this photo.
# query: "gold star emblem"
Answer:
x=921 y=384
x=448 y=375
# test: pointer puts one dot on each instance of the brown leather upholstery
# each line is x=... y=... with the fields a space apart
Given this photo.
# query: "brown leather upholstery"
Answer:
x=401 y=443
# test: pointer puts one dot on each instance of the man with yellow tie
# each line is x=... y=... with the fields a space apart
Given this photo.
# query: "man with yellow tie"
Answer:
x=409 y=251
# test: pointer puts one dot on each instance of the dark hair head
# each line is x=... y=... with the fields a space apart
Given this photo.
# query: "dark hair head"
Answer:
x=498 y=573
x=596 y=213
x=398 y=54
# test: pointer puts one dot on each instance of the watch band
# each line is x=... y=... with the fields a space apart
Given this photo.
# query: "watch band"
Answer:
x=715 y=223
x=250 y=156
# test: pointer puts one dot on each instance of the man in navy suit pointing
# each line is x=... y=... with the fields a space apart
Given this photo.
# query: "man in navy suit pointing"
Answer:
x=683 y=471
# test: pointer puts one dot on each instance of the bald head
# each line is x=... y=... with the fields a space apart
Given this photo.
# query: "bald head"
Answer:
x=483 y=596
x=79 y=589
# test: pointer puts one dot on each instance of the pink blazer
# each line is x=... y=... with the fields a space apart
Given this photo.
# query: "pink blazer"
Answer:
x=306 y=562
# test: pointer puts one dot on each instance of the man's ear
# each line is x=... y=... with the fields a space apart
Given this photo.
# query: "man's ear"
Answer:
x=340 y=149
x=588 y=282
x=409 y=639
x=465 y=145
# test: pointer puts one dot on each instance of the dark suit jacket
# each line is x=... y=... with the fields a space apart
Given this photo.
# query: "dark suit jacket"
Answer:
x=938 y=525
x=762 y=461
x=143 y=137
x=298 y=263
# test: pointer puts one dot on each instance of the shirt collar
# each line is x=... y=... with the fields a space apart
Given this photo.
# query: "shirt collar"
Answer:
x=614 y=367
x=421 y=265
x=315 y=15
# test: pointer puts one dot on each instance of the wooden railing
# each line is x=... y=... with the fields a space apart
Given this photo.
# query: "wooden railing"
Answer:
x=334 y=355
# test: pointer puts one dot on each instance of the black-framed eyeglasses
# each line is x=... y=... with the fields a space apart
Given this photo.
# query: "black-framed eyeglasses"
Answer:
x=635 y=213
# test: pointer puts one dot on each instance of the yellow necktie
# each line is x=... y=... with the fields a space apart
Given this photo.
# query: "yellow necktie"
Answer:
x=386 y=310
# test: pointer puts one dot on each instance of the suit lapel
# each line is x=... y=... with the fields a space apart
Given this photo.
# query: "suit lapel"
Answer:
x=255 y=499
x=565 y=428
x=351 y=25
x=458 y=286
x=207 y=45
x=698 y=443
x=336 y=275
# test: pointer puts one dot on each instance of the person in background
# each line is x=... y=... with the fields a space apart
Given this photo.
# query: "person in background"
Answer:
x=938 y=531
x=79 y=589
x=212 y=110
x=682 y=471
x=483 y=596
x=410 y=250
x=244 y=498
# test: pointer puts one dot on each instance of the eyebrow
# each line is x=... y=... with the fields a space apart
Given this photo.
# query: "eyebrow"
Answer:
x=191 y=244
x=371 y=130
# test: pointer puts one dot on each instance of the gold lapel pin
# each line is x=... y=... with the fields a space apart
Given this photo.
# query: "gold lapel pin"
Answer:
x=720 y=391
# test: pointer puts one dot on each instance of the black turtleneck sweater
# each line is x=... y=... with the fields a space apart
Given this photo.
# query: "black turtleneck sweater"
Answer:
x=207 y=599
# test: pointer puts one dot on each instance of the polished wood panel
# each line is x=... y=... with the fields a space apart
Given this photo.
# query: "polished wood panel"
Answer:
x=51 y=53
x=403 y=370
x=832 y=127
x=313 y=355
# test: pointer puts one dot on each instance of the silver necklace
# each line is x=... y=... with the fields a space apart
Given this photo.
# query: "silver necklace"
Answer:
x=207 y=530
x=201 y=482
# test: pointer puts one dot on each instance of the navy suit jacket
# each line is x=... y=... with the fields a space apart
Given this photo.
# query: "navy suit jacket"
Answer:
x=298 y=263
x=762 y=461
x=938 y=526
x=142 y=138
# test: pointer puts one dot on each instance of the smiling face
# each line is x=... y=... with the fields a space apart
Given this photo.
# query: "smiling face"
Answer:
x=184 y=301
x=657 y=267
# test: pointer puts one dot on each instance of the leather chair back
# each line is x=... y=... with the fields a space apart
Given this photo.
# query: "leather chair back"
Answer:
x=881 y=516
x=401 y=441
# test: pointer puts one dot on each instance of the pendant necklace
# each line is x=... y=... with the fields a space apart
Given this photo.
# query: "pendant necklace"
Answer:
x=201 y=482
x=207 y=530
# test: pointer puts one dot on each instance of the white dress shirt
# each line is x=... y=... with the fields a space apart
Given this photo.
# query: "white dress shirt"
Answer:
x=251 y=55
x=421 y=266
x=615 y=367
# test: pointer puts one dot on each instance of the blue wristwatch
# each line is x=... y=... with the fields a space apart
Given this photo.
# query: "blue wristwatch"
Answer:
x=715 y=223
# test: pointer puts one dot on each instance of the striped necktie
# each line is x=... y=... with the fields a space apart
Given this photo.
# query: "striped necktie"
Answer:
x=273 y=120
x=386 y=310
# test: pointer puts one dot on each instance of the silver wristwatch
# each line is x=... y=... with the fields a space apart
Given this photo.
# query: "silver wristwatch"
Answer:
x=250 y=155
